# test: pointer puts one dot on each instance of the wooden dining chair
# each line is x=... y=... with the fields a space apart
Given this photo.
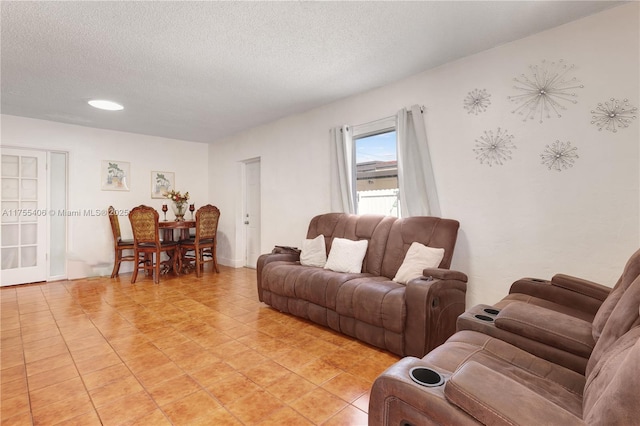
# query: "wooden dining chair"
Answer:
x=119 y=245
x=201 y=249
x=146 y=242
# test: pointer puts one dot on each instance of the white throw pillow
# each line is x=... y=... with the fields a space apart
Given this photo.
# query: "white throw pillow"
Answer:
x=314 y=252
x=346 y=255
x=418 y=257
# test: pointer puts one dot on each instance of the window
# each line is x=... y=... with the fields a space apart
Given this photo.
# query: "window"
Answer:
x=376 y=168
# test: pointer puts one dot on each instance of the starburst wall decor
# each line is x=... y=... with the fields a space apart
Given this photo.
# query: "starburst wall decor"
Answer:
x=613 y=115
x=559 y=156
x=477 y=101
x=545 y=90
x=494 y=148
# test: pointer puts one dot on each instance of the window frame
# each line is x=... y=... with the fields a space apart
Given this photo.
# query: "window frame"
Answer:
x=361 y=131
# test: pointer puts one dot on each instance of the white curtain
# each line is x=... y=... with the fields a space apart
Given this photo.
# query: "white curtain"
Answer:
x=342 y=173
x=418 y=194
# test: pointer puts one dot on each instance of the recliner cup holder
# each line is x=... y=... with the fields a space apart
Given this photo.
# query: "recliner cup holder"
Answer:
x=491 y=311
x=483 y=317
x=426 y=376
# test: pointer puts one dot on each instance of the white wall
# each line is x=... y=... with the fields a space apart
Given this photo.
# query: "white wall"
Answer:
x=90 y=246
x=519 y=219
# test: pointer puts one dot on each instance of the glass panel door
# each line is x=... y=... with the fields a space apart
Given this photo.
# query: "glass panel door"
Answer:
x=23 y=219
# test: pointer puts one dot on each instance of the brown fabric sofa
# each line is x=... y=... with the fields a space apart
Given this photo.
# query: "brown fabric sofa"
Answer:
x=487 y=380
x=406 y=319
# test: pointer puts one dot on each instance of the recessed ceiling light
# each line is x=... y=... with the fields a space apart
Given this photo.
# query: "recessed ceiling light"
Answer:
x=108 y=105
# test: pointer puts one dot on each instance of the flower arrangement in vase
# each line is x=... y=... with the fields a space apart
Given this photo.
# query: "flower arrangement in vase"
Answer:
x=179 y=205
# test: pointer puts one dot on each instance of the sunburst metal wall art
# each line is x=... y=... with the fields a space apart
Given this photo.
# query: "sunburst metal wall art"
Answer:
x=494 y=148
x=559 y=156
x=613 y=115
x=477 y=101
x=545 y=90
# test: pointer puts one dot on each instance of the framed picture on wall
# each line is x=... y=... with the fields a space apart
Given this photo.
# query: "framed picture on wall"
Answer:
x=162 y=182
x=115 y=175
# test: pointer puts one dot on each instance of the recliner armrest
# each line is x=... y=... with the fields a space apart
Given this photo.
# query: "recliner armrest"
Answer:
x=396 y=399
x=548 y=327
x=443 y=274
x=482 y=319
x=582 y=286
x=495 y=399
x=276 y=255
x=433 y=305
x=581 y=295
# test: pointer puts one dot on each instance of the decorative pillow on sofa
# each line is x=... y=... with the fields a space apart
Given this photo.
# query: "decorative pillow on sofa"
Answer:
x=346 y=255
x=418 y=257
x=314 y=252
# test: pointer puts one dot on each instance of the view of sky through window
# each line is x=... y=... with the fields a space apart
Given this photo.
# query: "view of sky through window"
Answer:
x=380 y=147
x=376 y=182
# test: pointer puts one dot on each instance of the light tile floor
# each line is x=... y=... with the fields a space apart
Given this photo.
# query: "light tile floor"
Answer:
x=187 y=351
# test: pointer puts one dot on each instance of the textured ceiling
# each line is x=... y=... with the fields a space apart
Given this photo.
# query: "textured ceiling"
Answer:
x=201 y=71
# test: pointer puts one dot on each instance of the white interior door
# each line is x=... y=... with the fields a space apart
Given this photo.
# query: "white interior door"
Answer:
x=24 y=216
x=252 y=212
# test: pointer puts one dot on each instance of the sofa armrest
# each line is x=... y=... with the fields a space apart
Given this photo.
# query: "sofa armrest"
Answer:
x=433 y=306
x=278 y=254
x=443 y=274
x=582 y=286
x=396 y=399
x=495 y=399
x=548 y=327
x=578 y=294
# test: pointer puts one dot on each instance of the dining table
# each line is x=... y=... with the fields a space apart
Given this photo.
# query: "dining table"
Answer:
x=167 y=228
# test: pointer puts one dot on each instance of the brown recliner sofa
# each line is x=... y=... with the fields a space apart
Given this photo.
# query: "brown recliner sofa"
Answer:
x=486 y=380
x=406 y=319
x=559 y=320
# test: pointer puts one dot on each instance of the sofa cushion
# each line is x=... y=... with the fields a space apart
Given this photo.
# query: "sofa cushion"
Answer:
x=374 y=300
x=418 y=258
x=316 y=285
x=346 y=255
x=314 y=252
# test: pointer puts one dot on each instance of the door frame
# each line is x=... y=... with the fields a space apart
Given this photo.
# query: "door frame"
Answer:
x=57 y=206
x=244 y=246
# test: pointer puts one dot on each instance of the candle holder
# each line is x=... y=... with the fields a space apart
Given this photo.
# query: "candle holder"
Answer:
x=192 y=208
x=164 y=210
